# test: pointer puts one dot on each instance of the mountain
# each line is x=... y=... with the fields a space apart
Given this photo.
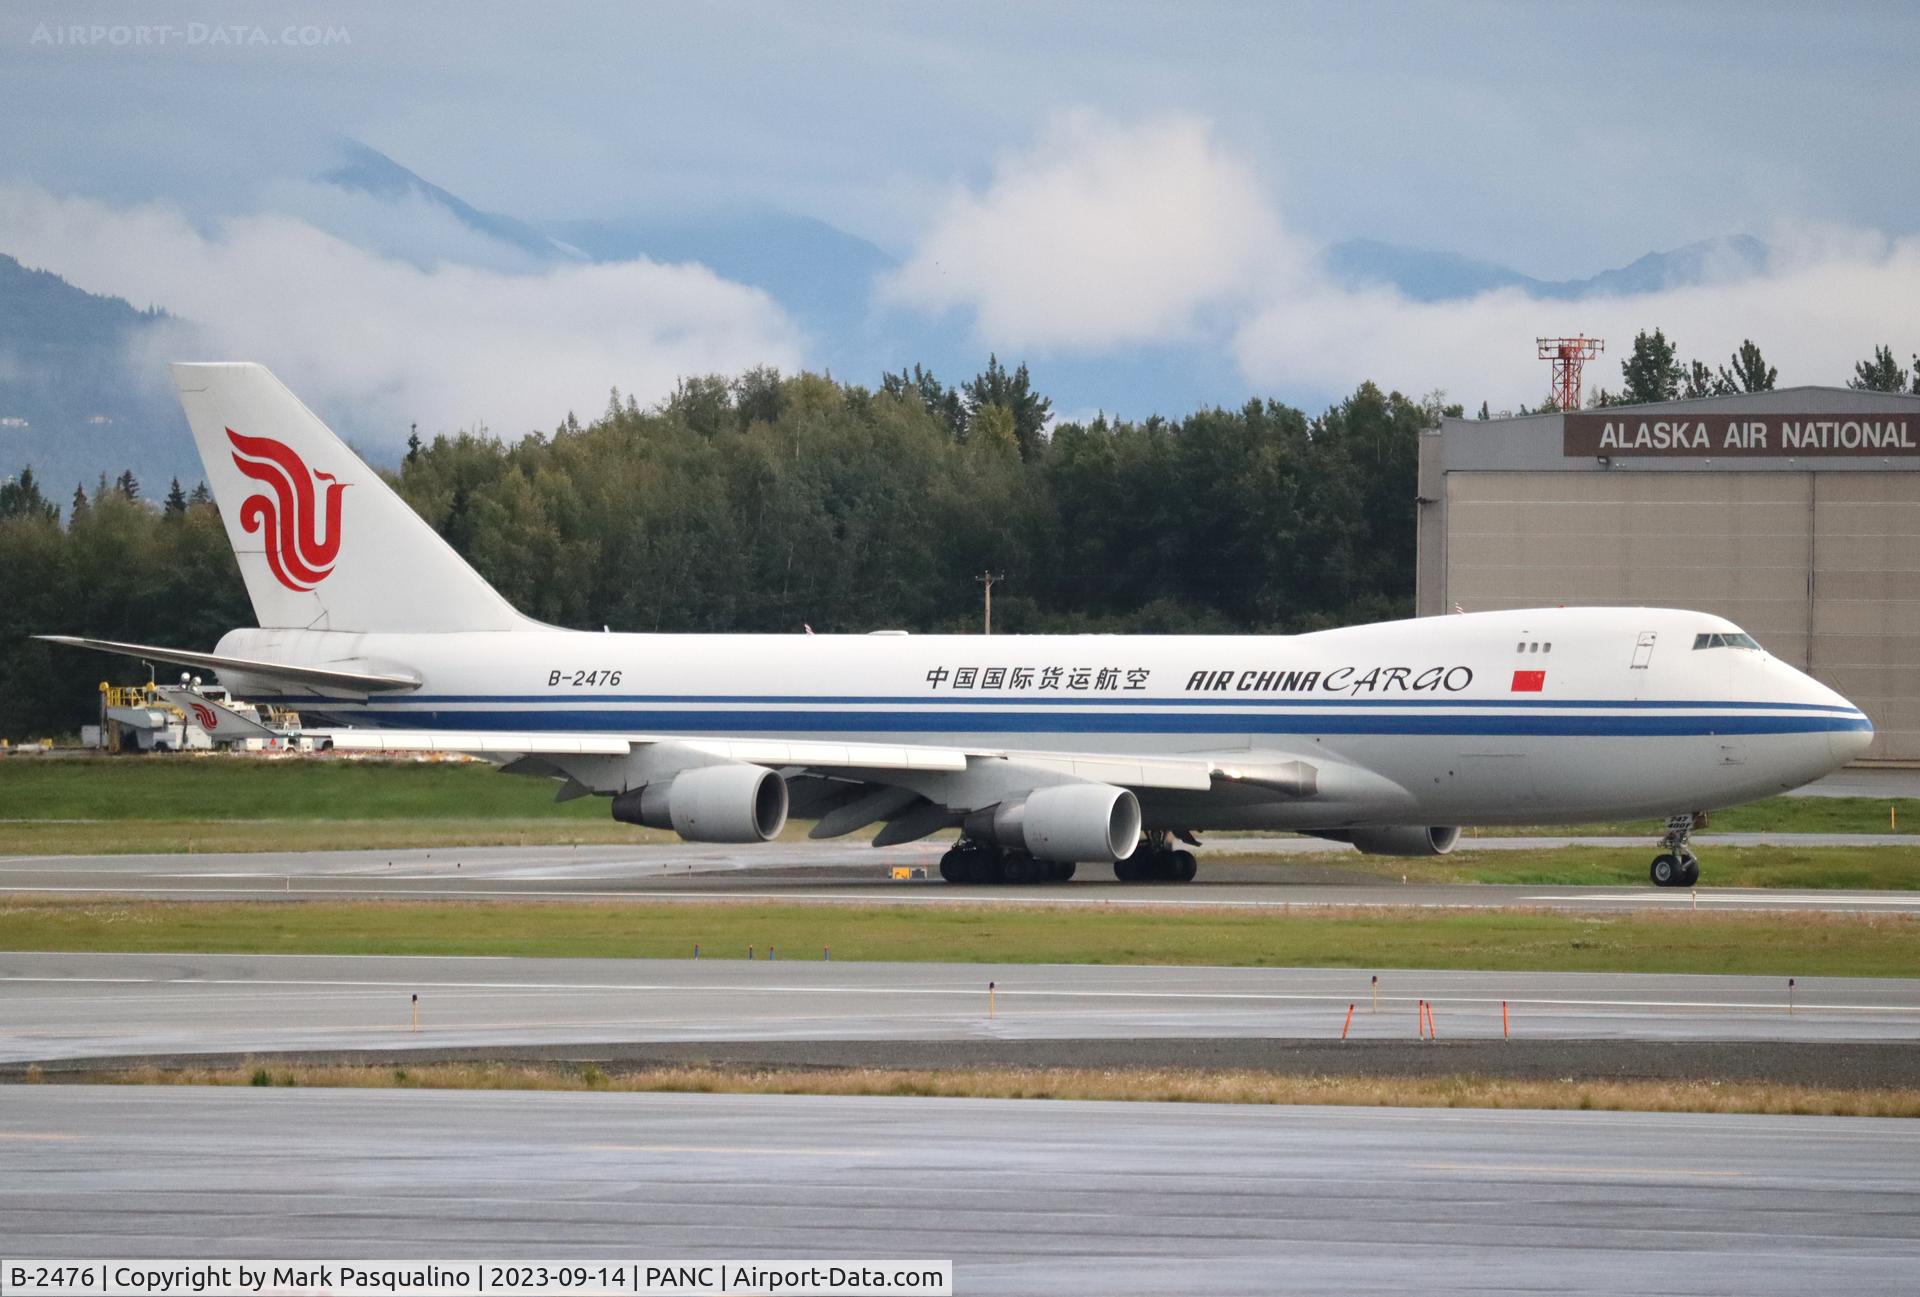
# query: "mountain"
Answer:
x=1430 y=276
x=820 y=274
x=81 y=387
x=366 y=170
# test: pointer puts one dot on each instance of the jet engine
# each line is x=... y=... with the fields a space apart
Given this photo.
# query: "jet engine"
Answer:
x=1398 y=839
x=724 y=803
x=1064 y=822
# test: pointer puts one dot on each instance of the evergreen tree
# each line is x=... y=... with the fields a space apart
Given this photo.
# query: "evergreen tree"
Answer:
x=1014 y=393
x=176 y=500
x=413 y=443
x=127 y=485
x=1651 y=373
x=935 y=397
x=22 y=499
x=78 y=509
x=1881 y=374
x=1484 y=414
x=1699 y=381
x=1750 y=372
x=199 y=495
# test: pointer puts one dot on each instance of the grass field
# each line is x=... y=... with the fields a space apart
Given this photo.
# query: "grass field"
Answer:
x=1803 y=945
x=1127 y=1085
x=88 y=806
x=1869 y=868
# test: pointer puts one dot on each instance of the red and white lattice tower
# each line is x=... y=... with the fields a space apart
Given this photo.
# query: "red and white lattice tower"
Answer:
x=1568 y=356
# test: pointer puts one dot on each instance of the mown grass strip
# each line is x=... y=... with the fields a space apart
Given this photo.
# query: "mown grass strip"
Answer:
x=1128 y=1085
x=180 y=802
x=1798 y=945
x=1891 y=868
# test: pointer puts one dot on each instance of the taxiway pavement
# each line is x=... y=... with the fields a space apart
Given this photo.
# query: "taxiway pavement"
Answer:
x=853 y=873
x=59 y=1005
x=1032 y=1197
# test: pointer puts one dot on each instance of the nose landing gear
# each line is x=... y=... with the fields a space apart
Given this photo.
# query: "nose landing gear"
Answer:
x=1676 y=865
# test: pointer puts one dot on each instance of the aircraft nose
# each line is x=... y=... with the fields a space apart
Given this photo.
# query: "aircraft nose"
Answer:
x=1851 y=744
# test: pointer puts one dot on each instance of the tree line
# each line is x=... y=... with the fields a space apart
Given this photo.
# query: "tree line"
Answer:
x=1653 y=371
x=772 y=502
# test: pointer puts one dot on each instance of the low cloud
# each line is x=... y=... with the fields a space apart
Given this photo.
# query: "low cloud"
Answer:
x=376 y=342
x=1106 y=235
x=1101 y=235
x=1828 y=301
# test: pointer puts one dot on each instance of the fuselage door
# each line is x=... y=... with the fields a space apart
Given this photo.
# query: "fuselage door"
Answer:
x=1643 y=650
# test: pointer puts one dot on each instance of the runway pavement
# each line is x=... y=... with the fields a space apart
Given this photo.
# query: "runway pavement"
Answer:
x=844 y=873
x=58 y=1005
x=1033 y=1197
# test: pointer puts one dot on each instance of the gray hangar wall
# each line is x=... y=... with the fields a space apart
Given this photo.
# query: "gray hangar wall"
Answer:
x=1794 y=513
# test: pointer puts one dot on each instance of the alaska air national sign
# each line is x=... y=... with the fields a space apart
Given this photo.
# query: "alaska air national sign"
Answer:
x=1776 y=436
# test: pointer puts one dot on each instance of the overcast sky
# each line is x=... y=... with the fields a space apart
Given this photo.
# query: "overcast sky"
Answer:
x=1553 y=138
x=1557 y=138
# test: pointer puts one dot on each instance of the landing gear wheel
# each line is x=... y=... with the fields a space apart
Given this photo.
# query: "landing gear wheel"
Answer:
x=1063 y=871
x=1154 y=859
x=988 y=866
x=1676 y=865
x=1019 y=867
x=951 y=868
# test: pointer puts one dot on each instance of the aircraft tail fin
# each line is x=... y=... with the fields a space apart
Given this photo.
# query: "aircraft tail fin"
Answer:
x=323 y=543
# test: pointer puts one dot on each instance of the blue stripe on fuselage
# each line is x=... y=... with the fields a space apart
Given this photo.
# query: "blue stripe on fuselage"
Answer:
x=1018 y=700
x=734 y=720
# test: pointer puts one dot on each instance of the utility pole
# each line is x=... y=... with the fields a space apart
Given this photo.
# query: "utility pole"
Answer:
x=986 y=580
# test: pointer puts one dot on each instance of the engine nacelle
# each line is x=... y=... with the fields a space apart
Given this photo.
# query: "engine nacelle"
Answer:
x=1064 y=822
x=725 y=803
x=1398 y=839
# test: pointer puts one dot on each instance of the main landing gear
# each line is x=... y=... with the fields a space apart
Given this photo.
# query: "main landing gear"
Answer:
x=1676 y=865
x=1156 y=860
x=968 y=861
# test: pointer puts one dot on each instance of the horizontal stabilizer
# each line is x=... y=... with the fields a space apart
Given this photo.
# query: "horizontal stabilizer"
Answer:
x=319 y=677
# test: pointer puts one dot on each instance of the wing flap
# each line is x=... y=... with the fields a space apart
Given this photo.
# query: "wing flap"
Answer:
x=471 y=742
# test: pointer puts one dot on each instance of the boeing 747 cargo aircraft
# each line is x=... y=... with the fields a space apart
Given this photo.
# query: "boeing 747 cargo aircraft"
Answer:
x=1042 y=751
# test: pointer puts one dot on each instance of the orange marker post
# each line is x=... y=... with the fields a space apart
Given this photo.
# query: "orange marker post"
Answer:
x=1349 y=1022
x=989 y=999
x=1420 y=1023
x=416 y=1010
x=1504 y=1033
x=1376 y=994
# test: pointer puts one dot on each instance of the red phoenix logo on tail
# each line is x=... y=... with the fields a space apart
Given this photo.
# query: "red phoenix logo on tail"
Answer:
x=204 y=714
x=299 y=550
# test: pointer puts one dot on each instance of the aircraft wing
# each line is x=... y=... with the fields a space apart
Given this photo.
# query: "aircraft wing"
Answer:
x=877 y=760
x=320 y=677
x=913 y=789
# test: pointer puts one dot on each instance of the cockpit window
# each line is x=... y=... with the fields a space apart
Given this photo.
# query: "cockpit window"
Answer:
x=1728 y=639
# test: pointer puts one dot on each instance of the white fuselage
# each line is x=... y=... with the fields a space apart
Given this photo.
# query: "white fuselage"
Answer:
x=1437 y=721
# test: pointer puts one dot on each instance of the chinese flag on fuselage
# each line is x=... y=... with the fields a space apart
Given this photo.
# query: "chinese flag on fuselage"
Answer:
x=1528 y=682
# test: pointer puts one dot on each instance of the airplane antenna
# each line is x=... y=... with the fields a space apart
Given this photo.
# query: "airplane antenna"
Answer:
x=1568 y=355
x=986 y=580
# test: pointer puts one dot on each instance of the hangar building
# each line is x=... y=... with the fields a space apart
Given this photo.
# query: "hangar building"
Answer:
x=1796 y=513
